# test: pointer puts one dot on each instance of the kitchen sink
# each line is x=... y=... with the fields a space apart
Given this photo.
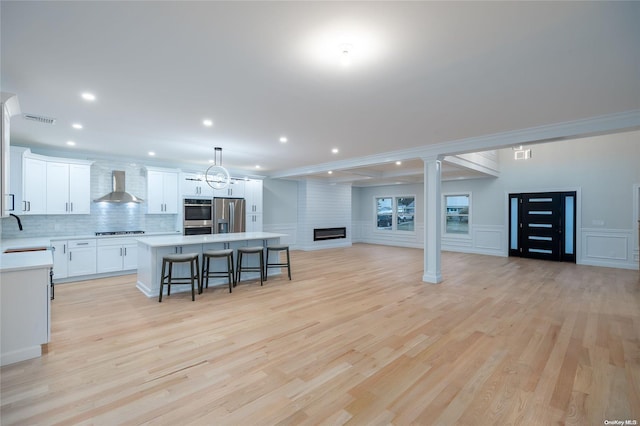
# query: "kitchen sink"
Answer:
x=25 y=249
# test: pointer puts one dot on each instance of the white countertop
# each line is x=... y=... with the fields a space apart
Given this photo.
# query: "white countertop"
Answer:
x=180 y=240
x=25 y=260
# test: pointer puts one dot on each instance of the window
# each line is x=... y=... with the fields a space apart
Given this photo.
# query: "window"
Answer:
x=395 y=213
x=457 y=214
x=384 y=211
x=405 y=212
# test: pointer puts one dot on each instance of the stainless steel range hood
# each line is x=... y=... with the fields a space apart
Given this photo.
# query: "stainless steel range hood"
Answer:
x=118 y=195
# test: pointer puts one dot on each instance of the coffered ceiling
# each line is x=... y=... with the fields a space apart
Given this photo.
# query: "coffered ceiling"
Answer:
x=418 y=74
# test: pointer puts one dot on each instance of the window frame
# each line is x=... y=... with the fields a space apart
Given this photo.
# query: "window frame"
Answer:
x=466 y=236
x=394 y=215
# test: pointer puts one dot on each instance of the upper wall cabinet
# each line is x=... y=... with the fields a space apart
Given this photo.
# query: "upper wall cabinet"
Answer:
x=193 y=185
x=162 y=191
x=8 y=107
x=49 y=185
x=253 y=195
x=68 y=188
x=235 y=189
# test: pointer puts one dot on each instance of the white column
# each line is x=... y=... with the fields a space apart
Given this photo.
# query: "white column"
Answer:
x=432 y=220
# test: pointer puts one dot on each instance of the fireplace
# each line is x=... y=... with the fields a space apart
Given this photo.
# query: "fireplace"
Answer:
x=321 y=234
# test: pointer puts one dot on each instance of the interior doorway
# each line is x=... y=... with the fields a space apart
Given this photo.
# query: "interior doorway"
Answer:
x=542 y=225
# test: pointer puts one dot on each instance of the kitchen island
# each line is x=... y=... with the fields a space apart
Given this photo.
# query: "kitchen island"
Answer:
x=152 y=249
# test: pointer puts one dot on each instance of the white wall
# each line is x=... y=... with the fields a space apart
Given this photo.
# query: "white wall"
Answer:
x=322 y=205
x=280 y=208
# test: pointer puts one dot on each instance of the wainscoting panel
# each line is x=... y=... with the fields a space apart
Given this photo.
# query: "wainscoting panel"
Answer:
x=485 y=239
x=607 y=247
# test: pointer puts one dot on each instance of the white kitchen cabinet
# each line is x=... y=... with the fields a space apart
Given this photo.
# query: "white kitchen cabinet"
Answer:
x=25 y=313
x=253 y=222
x=193 y=185
x=82 y=257
x=116 y=254
x=68 y=188
x=253 y=195
x=34 y=188
x=8 y=107
x=162 y=192
x=236 y=189
x=60 y=256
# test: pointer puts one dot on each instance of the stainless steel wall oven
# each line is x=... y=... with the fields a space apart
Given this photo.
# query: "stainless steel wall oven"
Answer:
x=198 y=217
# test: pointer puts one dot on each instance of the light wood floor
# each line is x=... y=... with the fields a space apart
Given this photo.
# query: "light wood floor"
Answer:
x=355 y=338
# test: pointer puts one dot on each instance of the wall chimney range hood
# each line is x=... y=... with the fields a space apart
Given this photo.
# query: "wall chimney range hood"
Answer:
x=118 y=195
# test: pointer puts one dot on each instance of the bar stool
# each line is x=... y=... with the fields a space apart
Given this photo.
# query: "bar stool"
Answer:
x=170 y=259
x=208 y=273
x=250 y=250
x=279 y=264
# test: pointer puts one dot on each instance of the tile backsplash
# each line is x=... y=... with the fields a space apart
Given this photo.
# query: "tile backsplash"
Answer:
x=104 y=216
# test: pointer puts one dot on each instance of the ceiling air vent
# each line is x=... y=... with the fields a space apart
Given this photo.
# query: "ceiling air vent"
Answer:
x=39 y=118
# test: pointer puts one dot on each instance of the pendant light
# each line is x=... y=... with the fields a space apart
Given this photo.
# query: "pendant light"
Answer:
x=216 y=176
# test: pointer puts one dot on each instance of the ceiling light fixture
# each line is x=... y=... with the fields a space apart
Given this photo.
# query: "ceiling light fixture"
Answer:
x=398 y=163
x=284 y=139
x=71 y=143
x=207 y=122
x=257 y=166
x=88 y=96
x=151 y=153
x=216 y=176
x=330 y=172
x=76 y=126
x=334 y=150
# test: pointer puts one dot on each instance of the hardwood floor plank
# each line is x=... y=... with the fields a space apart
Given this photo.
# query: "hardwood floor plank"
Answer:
x=355 y=338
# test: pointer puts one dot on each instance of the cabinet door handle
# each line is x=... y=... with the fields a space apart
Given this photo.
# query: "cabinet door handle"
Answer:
x=82 y=244
x=13 y=202
x=29 y=202
x=70 y=256
x=125 y=251
x=24 y=207
x=71 y=206
x=66 y=207
x=64 y=248
x=120 y=251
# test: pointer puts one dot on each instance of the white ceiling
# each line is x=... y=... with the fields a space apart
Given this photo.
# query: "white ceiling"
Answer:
x=421 y=73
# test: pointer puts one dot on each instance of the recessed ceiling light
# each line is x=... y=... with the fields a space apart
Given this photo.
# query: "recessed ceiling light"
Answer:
x=207 y=122
x=330 y=172
x=398 y=163
x=151 y=153
x=335 y=150
x=283 y=139
x=257 y=166
x=88 y=96
x=345 y=55
x=71 y=143
x=76 y=126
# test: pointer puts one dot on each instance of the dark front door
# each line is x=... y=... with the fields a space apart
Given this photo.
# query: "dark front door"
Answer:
x=542 y=225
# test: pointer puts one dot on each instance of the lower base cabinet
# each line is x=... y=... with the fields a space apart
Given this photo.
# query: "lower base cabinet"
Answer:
x=24 y=314
x=117 y=254
x=74 y=258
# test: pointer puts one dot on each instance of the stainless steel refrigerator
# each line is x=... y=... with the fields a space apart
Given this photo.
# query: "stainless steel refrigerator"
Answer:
x=228 y=215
